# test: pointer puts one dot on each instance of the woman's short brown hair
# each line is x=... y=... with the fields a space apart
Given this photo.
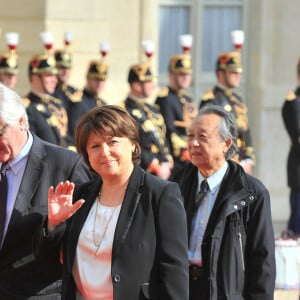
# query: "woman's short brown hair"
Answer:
x=111 y=120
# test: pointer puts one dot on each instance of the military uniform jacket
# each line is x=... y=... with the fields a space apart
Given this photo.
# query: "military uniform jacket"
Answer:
x=77 y=109
x=178 y=110
x=152 y=131
x=47 y=118
x=238 y=251
x=232 y=102
x=291 y=117
x=67 y=94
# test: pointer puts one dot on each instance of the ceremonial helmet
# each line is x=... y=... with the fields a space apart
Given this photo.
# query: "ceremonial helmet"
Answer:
x=9 y=63
x=229 y=61
x=63 y=57
x=181 y=63
x=9 y=60
x=99 y=69
x=42 y=63
x=45 y=62
x=140 y=72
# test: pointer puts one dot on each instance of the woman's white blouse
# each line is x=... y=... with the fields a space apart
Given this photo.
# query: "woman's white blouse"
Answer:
x=92 y=264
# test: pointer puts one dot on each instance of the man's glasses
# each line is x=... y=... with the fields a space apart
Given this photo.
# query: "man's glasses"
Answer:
x=3 y=129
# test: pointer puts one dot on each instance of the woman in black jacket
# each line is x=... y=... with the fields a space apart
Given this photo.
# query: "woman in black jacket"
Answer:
x=125 y=235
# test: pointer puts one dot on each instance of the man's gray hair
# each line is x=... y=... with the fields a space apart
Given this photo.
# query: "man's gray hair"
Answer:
x=227 y=128
x=11 y=107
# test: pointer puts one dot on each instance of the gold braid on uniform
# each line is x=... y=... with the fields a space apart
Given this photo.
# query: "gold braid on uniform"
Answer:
x=178 y=144
x=241 y=110
x=59 y=117
x=291 y=96
x=60 y=114
x=26 y=102
x=189 y=111
x=156 y=125
x=209 y=95
x=74 y=97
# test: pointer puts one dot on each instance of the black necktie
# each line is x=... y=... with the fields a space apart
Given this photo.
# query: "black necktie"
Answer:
x=200 y=196
x=3 y=199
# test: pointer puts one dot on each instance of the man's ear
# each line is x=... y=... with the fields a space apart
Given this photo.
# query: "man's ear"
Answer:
x=228 y=144
x=22 y=123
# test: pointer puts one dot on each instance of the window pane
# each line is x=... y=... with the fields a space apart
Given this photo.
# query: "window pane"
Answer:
x=217 y=26
x=174 y=21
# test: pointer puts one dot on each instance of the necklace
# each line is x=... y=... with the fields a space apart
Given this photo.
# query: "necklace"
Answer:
x=99 y=242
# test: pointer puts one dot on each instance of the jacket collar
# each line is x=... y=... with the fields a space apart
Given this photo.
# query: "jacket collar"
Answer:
x=31 y=178
x=89 y=192
x=129 y=206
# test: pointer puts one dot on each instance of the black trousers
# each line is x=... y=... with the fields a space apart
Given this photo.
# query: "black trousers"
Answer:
x=294 y=219
x=197 y=283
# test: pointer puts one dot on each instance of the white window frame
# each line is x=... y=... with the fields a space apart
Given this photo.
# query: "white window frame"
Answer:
x=203 y=81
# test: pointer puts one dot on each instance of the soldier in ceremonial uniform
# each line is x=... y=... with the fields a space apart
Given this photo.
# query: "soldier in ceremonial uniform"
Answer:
x=95 y=82
x=177 y=107
x=47 y=115
x=68 y=94
x=8 y=70
x=291 y=118
x=228 y=73
x=63 y=91
x=9 y=62
x=155 y=157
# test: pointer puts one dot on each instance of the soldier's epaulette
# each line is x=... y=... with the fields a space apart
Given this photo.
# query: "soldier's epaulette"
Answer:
x=156 y=106
x=76 y=96
x=291 y=96
x=163 y=92
x=26 y=102
x=186 y=94
x=55 y=100
x=209 y=95
x=121 y=104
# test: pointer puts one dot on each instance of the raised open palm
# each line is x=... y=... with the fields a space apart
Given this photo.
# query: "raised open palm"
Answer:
x=60 y=206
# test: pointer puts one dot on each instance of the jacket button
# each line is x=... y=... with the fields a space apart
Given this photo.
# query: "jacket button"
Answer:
x=243 y=203
x=251 y=198
x=235 y=207
x=116 y=278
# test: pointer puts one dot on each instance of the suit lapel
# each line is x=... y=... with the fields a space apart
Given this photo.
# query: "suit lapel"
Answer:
x=189 y=189
x=129 y=206
x=31 y=179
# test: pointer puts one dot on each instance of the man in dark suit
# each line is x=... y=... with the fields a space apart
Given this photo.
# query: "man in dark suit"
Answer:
x=231 y=239
x=31 y=166
x=291 y=117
